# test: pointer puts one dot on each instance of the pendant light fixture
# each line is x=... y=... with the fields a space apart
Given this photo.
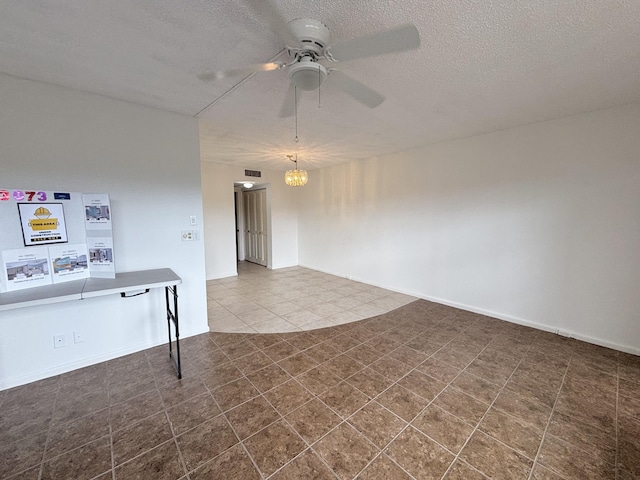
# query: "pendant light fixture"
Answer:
x=296 y=178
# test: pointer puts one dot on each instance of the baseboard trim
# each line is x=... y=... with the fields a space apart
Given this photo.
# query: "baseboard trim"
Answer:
x=222 y=275
x=539 y=326
x=86 y=362
x=283 y=265
x=507 y=318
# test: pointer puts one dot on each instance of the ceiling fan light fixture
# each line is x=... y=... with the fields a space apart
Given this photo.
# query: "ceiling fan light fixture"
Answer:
x=296 y=178
x=307 y=74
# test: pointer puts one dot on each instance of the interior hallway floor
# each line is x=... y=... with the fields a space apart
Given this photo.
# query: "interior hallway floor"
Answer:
x=424 y=391
x=259 y=300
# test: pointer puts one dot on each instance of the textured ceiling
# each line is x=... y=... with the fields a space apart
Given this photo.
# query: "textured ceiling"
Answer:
x=482 y=66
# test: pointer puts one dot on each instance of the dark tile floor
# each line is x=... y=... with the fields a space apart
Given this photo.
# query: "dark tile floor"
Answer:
x=425 y=391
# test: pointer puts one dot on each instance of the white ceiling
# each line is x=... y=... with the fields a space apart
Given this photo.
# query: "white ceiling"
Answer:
x=482 y=66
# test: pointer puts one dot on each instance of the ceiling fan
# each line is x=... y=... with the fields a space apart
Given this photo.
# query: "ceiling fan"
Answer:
x=307 y=43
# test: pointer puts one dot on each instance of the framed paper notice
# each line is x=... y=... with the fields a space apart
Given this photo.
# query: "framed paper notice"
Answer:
x=42 y=223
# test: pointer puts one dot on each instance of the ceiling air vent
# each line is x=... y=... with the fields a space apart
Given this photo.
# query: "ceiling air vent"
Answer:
x=252 y=173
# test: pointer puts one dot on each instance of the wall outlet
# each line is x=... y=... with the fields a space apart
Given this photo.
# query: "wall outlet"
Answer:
x=190 y=235
x=59 y=341
x=78 y=337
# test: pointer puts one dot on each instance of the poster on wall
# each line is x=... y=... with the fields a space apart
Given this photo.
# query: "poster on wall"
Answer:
x=26 y=268
x=101 y=262
x=62 y=222
x=69 y=262
x=42 y=223
x=97 y=211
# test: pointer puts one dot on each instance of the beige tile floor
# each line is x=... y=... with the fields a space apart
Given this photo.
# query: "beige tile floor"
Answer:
x=292 y=299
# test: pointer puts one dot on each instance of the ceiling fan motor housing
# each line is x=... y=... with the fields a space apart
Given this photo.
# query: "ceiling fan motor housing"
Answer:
x=307 y=73
x=312 y=34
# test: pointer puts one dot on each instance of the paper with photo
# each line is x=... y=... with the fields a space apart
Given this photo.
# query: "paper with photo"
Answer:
x=97 y=211
x=69 y=262
x=26 y=268
x=101 y=262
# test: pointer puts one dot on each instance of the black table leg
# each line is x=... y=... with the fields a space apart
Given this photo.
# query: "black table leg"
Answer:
x=172 y=316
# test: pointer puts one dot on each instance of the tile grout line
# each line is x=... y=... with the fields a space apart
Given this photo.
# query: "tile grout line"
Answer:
x=414 y=333
x=553 y=409
x=163 y=410
x=174 y=437
x=376 y=297
x=314 y=396
x=409 y=423
x=394 y=383
x=282 y=417
x=51 y=425
x=457 y=456
x=113 y=460
x=240 y=441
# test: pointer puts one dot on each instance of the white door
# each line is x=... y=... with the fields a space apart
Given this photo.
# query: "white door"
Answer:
x=255 y=223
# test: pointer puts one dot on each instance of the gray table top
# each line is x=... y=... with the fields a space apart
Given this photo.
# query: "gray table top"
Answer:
x=88 y=288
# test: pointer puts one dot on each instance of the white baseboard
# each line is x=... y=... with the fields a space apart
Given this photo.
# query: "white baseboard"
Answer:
x=218 y=276
x=283 y=265
x=85 y=362
x=539 y=326
x=507 y=318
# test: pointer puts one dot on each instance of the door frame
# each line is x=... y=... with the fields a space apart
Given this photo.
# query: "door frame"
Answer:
x=239 y=223
x=241 y=220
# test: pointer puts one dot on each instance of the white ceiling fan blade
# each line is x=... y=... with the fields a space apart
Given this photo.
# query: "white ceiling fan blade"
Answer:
x=277 y=23
x=397 y=39
x=289 y=103
x=260 y=67
x=358 y=91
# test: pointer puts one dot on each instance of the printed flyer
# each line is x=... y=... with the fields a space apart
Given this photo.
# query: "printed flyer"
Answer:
x=101 y=257
x=97 y=211
x=42 y=223
x=69 y=262
x=26 y=268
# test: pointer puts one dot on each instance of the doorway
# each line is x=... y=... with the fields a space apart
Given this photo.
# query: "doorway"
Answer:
x=253 y=223
x=256 y=232
x=237 y=202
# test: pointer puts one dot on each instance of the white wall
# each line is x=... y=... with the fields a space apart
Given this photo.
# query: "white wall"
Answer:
x=219 y=222
x=52 y=138
x=538 y=225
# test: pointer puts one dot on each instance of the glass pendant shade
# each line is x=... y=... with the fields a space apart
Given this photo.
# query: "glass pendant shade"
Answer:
x=296 y=178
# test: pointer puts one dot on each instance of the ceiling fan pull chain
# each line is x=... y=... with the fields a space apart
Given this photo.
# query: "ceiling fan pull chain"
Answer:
x=295 y=99
x=319 y=82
